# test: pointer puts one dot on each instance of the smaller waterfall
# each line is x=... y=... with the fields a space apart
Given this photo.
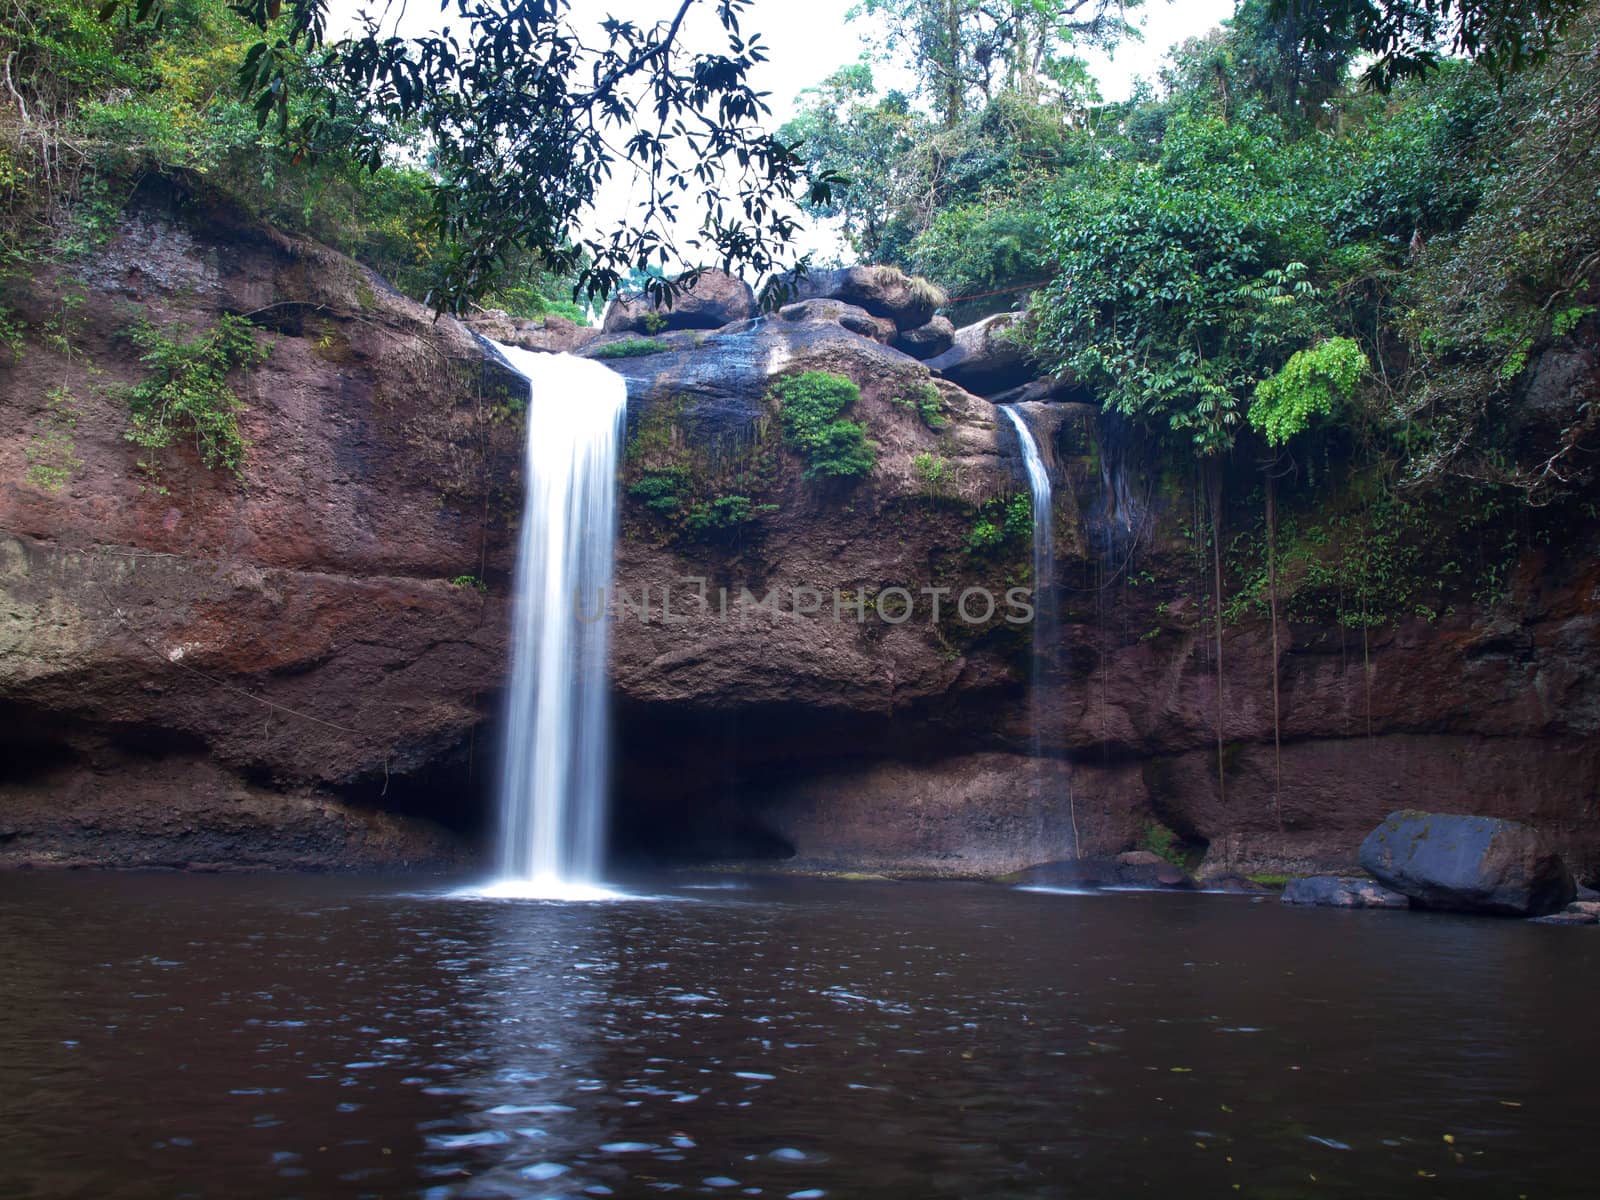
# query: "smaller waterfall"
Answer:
x=1046 y=613
x=554 y=782
x=1044 y=534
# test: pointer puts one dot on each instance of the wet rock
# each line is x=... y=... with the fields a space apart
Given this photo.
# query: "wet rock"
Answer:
x=1467 y=864
x=1591 y=907
x=983 y=359
x=1103 y=873
x=1051 y=389
x=837 y=312
x=1566 y=918
x=1334 y=891
x=927 y=341
x=716 y=299
x=908 y=301
x=1235 y=884
x=1587 y=893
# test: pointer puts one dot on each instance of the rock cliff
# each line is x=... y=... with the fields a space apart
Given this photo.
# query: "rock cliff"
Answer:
x=301 y=665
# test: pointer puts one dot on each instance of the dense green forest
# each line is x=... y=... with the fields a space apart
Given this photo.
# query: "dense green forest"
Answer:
x=1315 y=280
x=1315 y=266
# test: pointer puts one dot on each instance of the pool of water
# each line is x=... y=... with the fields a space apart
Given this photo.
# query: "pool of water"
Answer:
x=244 y=1036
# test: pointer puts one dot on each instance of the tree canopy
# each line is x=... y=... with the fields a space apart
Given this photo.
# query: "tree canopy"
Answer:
x=520 y=118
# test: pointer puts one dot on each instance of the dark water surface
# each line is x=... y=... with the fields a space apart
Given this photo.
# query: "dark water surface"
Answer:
x=243 y=1037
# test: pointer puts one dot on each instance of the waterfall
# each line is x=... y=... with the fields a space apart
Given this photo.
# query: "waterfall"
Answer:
x=1046 y=617
x=554 y=780
x=1043 y=514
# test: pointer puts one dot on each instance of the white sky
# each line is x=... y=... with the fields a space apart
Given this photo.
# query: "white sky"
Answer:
x=806 y=41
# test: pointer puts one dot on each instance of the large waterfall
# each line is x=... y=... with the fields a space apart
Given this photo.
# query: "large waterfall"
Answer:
x=553 y=783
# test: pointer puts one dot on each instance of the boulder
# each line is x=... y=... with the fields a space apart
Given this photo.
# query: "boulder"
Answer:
x=837 y=312
x=927 y=341
x=1467 y=864
x=983 y=359
x=1336 y=891
x=907 y=300
x=716 y=299
x=1045 y=390
x=555 y=335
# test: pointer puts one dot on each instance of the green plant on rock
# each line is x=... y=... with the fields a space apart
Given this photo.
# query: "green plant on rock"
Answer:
x=810 y=405
x=985 y=536
x=186 y=393
x=469 y=581
x=928 y=404
x=723 y=516
x=934 y=472
x=1160 y=840
x=631 y=348
x=662 y=489
x=1002 y=521
x=52 y=454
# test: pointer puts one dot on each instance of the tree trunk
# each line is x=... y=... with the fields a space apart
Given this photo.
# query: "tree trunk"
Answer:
x=1272 y=604
x=952 y=101
x=1216 y=608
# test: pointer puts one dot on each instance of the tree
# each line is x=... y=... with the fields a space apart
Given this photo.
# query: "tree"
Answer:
x=521 y=120
x=964 y=48
x=1262 y=51
x=1405 y=36
x=846 y=129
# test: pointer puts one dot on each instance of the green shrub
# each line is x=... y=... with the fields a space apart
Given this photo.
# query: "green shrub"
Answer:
x=1312 y=383
x=985 y=536
x=631 y=348
x=52 y=454
x=928 y=404
x=723 y=516
x=935 y=473
x=810 y=404
x=1001 y=522
x=186 y=392
x=662 y=489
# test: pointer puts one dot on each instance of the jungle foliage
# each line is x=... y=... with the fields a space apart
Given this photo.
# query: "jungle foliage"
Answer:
x=1266 y=255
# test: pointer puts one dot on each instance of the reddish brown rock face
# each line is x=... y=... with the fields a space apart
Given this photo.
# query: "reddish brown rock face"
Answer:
x=290 y=646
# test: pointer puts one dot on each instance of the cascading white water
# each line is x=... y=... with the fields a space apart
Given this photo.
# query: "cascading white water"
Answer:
x=554 y=780
x=1045 y=612
x=1043 y=514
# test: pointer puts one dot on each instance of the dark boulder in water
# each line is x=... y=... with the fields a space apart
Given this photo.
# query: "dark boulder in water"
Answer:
x=1468 y=864
x=1335 y=891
